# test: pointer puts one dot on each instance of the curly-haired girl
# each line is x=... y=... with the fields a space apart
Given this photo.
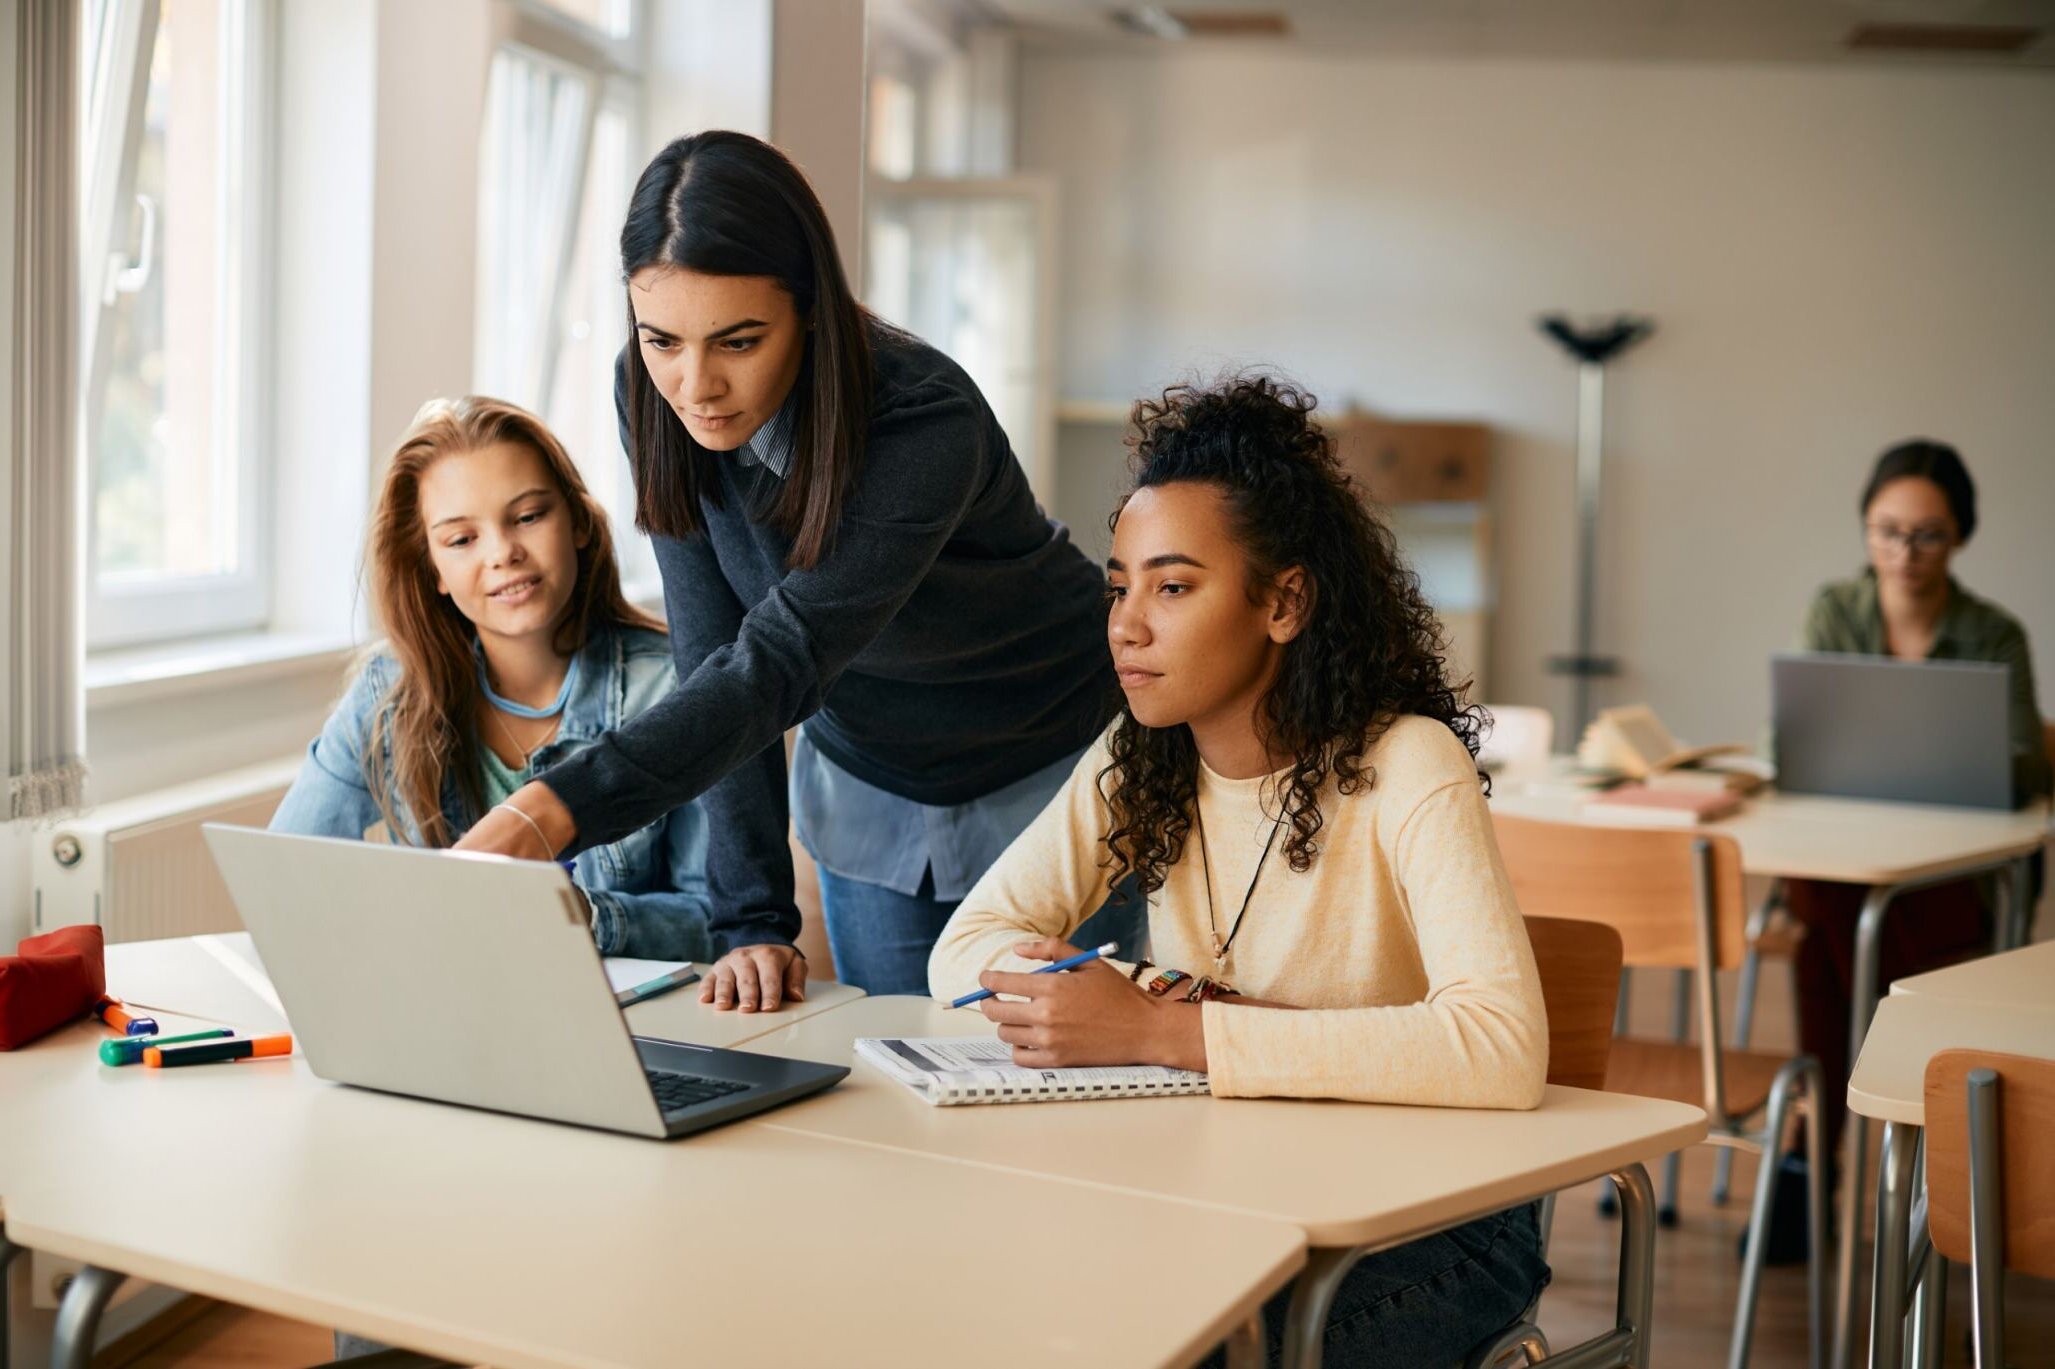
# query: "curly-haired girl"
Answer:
x=1292 y=782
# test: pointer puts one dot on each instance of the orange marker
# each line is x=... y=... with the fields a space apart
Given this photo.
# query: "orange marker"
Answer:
x=110 y=1011
x=206 y=1052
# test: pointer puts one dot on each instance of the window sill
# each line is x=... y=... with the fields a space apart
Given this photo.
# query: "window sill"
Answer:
x=131 y=675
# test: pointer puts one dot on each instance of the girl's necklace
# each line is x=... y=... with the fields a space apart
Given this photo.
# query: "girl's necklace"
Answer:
x=1220 y=948
x=500 y=708
x=507 y=731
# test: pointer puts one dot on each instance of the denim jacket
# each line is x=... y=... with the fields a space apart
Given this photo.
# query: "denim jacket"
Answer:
x=648 y=891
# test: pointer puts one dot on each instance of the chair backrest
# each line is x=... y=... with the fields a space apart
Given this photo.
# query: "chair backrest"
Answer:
x=2026 y=1130
x=1640 y=883
x=1519 y=735
x=1579 y=963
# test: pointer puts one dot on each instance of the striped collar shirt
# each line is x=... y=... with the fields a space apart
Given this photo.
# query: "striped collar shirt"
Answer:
x=771 y=447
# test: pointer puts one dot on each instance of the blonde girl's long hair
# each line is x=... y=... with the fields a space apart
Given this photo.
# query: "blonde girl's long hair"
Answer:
x=426 y=725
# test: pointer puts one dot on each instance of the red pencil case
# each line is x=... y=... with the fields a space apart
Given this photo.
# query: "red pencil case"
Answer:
x=48 y=981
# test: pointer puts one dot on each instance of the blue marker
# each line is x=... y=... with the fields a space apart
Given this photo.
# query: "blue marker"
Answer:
x=1108 y=949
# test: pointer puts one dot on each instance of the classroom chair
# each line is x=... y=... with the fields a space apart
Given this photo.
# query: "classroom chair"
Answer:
x=1990 y=1182
x=1675 y=898
x=1579 y=965
x=1518 y=735
x=1770 y=937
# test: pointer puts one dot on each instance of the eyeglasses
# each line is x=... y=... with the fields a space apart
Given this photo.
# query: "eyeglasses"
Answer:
x=1917 y=541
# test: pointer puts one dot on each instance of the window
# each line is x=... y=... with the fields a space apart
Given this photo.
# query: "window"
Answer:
x=172 y=257
x=557 y=168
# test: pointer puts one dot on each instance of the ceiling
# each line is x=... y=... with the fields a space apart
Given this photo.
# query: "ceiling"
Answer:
x=1674 y=30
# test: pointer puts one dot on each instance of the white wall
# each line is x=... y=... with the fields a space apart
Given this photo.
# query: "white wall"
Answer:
x=817 y=110
x=1836 y=258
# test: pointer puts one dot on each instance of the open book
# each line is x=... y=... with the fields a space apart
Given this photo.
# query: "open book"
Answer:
x=978 y=1069
x=1633 y=741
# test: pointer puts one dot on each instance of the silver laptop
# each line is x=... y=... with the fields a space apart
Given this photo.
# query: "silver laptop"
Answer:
x=472 y=979
x=1871 y=728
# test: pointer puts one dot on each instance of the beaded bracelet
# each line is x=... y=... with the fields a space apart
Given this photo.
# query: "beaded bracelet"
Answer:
x=1161 y=984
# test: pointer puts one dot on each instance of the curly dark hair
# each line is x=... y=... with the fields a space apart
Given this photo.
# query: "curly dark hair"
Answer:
x=1370 y=650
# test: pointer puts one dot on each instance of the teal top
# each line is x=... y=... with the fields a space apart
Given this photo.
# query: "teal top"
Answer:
x=496 y=779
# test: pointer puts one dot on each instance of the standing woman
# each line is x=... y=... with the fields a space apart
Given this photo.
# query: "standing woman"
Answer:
x=847 y=541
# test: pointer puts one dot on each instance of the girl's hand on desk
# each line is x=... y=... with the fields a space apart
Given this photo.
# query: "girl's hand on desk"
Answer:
x=1088 y=1016
x=753 y=977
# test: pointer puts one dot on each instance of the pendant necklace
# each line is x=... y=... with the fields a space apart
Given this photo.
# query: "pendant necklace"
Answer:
x=507 y=731
x=1220 y=948
x=500 y=707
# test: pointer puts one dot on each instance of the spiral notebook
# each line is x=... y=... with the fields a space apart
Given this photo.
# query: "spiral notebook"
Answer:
x=946 y=1071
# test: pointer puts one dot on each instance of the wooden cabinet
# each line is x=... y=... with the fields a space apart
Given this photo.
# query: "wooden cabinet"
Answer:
x=1432 y=481
x=1410 y=463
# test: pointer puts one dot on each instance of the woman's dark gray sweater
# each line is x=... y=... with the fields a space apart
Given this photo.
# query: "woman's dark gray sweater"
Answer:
x=950 y=642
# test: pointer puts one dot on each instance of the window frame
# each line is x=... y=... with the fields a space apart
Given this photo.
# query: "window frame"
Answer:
x=166 y=608
x=613 y=73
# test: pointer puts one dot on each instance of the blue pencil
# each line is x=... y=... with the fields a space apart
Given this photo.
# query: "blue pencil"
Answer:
x=1108 y=949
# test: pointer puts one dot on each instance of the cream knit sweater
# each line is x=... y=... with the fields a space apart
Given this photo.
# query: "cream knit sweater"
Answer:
x=1401 y=940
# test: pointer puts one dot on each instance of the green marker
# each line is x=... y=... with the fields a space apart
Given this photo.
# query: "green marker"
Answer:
x=128 y=1050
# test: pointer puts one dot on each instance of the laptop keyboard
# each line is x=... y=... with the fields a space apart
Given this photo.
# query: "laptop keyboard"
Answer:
x=675 y=1091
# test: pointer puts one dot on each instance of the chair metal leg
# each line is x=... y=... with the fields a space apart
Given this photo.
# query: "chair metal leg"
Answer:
x=1930 y=1313
x=1986 y=1222
x=1673 y=1163
x=1855 y=1134
x=8 y=1250
x=1778 y=1107
x=2019 y=904
x=1744 y=1021
x=1636 y=1307
x=1819 y=1329
x=78 y=1316
x=1608 y=1197
x=1894 y=1221
x=1522 y=1338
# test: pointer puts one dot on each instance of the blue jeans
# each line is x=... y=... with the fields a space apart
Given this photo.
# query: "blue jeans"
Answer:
x=1428 y=1302
x=881 y=938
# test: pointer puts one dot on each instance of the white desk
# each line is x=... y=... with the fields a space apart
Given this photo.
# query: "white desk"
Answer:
x=1354 y=1177
x=2023 y=978
x=498 y=1239
x=1894 y=848
x=1889 y=1085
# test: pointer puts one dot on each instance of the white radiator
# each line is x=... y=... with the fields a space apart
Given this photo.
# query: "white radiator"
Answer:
x=140 y=867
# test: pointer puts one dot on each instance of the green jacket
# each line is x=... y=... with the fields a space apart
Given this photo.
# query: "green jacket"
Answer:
x=1845 y=616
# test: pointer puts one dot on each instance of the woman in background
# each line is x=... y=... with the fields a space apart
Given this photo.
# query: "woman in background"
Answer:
x=509 y=646
x=1918 y=510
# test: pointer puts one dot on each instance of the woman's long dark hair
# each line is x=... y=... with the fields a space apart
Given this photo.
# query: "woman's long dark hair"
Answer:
x=728 y=204
x=1370 y=649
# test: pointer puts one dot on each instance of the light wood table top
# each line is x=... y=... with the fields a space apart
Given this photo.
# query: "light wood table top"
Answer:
x=1345 y=1173
x=487 y=1238
x=1889 y=1083
x=2023 y=978
x=1810 y=836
